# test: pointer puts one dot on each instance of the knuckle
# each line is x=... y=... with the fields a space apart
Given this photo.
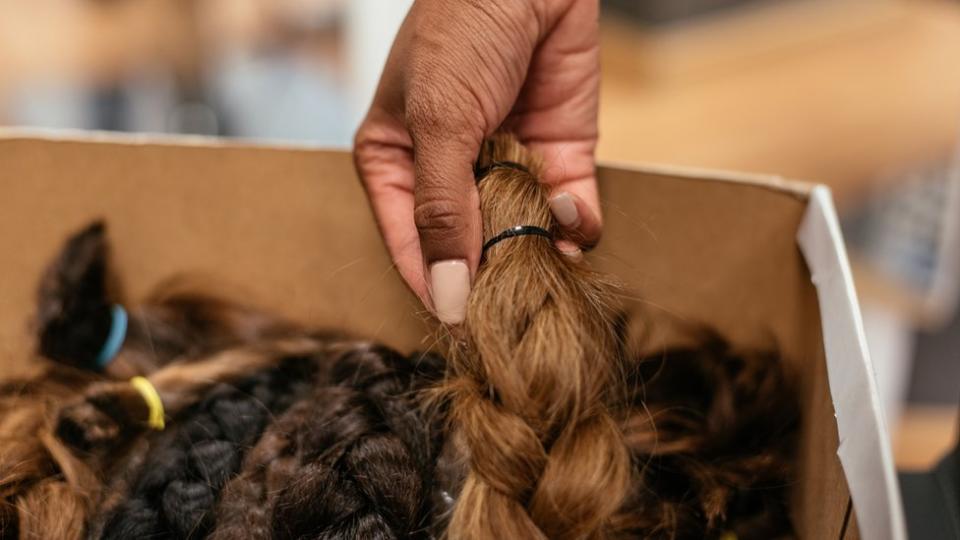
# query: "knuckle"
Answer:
x=440 y=215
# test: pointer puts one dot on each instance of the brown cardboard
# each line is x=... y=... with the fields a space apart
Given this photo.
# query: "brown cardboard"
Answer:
x=290 y=230
x=723 y=254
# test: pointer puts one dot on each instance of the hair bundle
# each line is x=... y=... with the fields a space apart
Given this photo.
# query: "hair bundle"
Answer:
x=532 y=380
x=174 y=492
x=713 y=438
x=72 y=323
x=353 y=461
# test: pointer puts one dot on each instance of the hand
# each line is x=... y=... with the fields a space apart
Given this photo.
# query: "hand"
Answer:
x=460 y=70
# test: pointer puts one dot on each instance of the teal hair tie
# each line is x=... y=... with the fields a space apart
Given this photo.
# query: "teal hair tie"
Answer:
x=118 y=332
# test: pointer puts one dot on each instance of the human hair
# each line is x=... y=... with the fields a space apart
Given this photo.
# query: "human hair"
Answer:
x=72 y=321
x=172 y=490
x=110 y=414
x=75 y=302
x=543 y=421
x=534 y=375
x=355 y=460
x=216 y=408
x=29 y=465
x=713 y=438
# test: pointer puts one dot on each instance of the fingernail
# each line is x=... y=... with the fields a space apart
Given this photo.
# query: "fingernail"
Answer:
x=449 y=287
x=565 y=210
x=569 y=249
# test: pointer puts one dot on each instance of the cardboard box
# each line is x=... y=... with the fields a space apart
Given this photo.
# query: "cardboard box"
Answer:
x=758 y=258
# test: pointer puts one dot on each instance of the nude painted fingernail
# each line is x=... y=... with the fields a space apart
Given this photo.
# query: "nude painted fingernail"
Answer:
x=565 y=210
x=569 y=249
x=450 y=287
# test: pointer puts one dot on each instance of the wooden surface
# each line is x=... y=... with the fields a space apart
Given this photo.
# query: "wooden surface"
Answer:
x=874 y=90
x=80 y=40
x=924 y=435
x=91 y=40
x=834 y=91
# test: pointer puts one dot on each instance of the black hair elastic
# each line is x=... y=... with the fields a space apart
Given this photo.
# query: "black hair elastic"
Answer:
x=481 y=172
x=519 y=230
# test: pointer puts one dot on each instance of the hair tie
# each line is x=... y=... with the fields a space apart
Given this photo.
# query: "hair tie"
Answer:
x=118 y=332
x=519 y=230
x=152 y=398
x=481 y=172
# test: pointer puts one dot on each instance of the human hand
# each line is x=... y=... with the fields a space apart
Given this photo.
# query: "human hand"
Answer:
x=460 y=70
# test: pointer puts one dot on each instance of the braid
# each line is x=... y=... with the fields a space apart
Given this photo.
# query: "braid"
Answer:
x=246 y=506
x=353 y=461
x=72 y=322
x=111 y=414
x=179 y=479
x=357 y=479
x=530 y=382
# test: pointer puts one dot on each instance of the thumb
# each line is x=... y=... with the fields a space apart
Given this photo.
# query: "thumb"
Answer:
x=447 y=216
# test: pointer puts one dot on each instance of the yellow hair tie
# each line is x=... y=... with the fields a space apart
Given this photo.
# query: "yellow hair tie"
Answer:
x=152 y=398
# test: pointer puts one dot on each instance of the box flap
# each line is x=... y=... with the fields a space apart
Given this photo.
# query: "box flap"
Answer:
x=864 y=448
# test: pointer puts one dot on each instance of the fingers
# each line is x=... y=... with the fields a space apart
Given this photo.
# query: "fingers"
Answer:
x=427 y=207
x=580 y=219
x=569 y=249
x=384 y=162
x=571 y=174
x=556 y=116
x=456 y=71
x=451 y=77
x=446 y=211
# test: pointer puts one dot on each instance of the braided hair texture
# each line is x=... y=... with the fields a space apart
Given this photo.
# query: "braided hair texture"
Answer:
x=534 y=375
x=174 y=488
x=353 y=461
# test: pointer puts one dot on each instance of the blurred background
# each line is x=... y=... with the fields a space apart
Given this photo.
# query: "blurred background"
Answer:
x=862 y=95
